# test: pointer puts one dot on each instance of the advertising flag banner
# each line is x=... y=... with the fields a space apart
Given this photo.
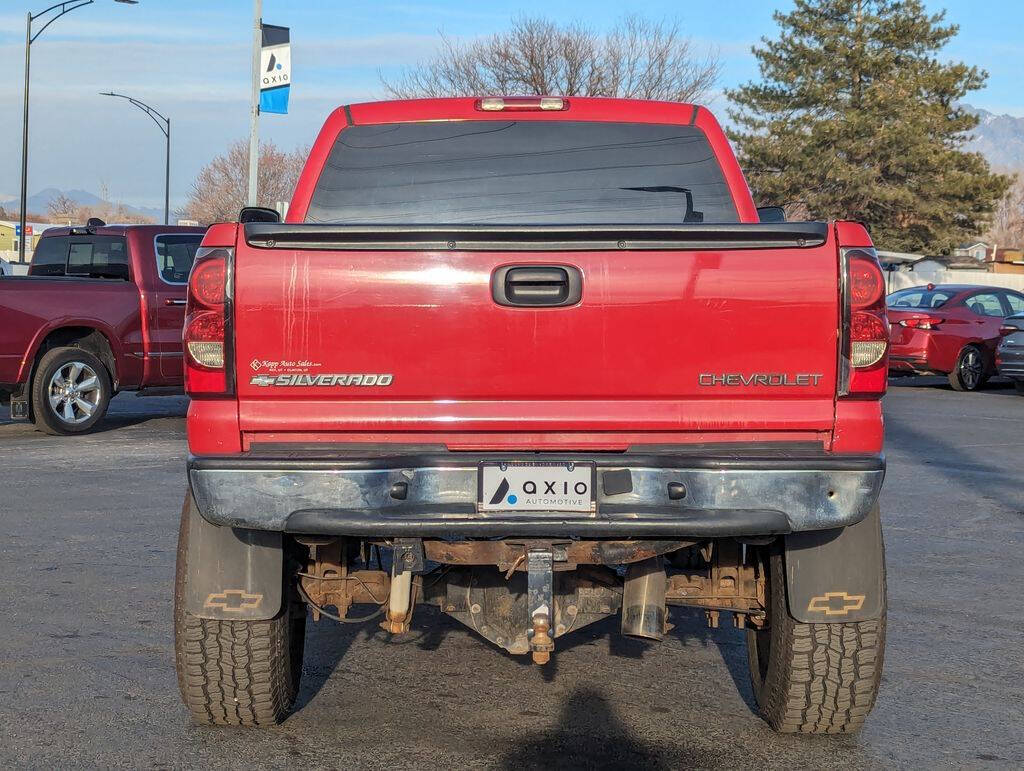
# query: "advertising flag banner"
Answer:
x=275 y=69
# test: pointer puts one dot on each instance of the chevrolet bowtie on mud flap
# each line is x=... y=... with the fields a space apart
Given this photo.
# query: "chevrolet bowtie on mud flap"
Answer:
x=543 y=355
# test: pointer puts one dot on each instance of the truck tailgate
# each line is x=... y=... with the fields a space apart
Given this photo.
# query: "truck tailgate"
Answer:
x=663 y=340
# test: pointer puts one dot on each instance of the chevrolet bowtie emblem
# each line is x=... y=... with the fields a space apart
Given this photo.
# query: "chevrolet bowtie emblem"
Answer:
x=835 y=603
x=233 y=600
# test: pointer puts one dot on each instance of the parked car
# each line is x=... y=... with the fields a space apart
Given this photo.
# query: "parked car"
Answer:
x=949 y=329
x=1010 y=352
x=100 y=311
x=544 y=352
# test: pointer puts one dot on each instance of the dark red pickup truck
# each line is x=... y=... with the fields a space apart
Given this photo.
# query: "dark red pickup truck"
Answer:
x=535 y=362
x=100 y=311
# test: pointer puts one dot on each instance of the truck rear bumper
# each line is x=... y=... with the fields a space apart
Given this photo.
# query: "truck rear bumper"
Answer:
x=724 y=496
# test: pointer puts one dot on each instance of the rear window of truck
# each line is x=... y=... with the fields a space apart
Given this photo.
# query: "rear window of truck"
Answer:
x=521 y=172
x=175 y=255
x=89 y=256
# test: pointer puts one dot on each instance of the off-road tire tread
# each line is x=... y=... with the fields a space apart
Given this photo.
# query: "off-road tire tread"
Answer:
x=825 y=677
x=231 y=672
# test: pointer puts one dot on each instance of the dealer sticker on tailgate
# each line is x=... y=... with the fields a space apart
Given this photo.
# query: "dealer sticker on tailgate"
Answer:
x=532 y=486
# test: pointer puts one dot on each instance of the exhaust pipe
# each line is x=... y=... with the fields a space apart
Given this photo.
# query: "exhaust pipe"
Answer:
x=643 y=599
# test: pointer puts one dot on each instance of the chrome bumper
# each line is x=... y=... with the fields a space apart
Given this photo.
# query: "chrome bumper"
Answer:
x=355 y=496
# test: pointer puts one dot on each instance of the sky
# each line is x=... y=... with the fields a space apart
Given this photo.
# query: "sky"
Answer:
x=190 y=59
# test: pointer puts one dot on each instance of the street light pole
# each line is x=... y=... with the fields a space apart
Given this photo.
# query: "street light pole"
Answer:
x=24 y=142
x=65 y=7
x=165 y=128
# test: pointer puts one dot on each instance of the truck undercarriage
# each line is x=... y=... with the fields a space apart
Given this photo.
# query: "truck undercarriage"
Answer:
x=522 y=594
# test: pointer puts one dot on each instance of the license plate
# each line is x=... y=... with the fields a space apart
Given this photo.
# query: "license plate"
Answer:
x=530 y=486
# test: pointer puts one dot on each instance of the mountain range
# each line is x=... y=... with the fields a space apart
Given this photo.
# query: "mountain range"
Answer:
x=38 y=203
x=1000 y=138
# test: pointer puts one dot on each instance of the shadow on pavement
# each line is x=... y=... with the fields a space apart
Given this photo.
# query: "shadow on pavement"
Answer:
x=126 y=410
x=326 y=645
x=589 y=734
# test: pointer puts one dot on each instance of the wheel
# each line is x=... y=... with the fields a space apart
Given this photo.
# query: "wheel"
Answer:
x=236 y=672
x=70 y=391
x=969 y=372
x=1019 y=386
x=813 y=678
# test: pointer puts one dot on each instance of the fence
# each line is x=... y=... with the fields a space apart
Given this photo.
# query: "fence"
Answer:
x=926 y=274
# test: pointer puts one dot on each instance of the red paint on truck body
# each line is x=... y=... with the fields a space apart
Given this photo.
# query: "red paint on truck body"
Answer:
x=656 y=352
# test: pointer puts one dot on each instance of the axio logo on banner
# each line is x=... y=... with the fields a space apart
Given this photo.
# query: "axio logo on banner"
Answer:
x=275 y=69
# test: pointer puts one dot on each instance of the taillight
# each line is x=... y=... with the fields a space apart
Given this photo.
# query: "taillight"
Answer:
x=207 y=333
x=1006 y=329
x=921 y=322
x=864 y=362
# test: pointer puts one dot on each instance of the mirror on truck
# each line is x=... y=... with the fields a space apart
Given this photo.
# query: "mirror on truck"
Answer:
x=771 y=214
x=258 y=214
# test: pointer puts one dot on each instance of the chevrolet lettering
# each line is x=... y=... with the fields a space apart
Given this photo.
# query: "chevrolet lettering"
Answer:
x=771 y=379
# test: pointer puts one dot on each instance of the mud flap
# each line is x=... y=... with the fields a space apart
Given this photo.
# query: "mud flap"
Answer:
x=836 y=576
x=231 y=574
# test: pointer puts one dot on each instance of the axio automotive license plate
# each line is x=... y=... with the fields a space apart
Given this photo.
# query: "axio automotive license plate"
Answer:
x=536 y=486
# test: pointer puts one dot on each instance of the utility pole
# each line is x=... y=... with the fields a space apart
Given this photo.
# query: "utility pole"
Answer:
x=254 y=117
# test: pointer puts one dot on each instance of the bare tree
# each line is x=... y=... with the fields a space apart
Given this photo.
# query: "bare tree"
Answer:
x=638 y=58
x=63 y=209
x=1007 y=227
x=222 y=187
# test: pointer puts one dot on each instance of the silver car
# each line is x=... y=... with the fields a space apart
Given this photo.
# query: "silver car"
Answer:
x=1010 y=353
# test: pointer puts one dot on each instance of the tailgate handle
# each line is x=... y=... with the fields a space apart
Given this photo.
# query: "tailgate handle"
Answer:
x=537 y=286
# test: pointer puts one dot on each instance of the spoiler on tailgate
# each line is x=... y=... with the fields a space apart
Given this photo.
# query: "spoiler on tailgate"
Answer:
x=765 y=235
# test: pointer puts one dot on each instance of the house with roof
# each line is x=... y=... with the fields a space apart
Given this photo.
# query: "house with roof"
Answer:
x=977 y=250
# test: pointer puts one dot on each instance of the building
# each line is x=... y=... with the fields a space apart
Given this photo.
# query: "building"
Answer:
x=977 y=250
x=1006 y=260
x=9 y=238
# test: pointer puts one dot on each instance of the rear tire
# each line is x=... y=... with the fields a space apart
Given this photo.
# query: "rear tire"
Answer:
x=969 y=372
x=236 y=672
x=813 y=678
x=70 y=391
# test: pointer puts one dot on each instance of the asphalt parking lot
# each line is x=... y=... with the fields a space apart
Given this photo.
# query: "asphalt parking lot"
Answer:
x=86 y=658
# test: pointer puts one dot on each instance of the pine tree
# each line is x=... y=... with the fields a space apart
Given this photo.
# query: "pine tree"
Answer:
x=857 y=118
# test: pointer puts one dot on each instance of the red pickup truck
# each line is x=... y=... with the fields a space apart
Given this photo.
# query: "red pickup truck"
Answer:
x=535 y=362
x=100 y=311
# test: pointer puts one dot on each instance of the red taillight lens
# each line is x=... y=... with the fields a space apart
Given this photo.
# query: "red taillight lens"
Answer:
x=921 y=322
x=1006 y=329
x=865 y=342
x=866 y=283
x=206 y=284
x=207 y=333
